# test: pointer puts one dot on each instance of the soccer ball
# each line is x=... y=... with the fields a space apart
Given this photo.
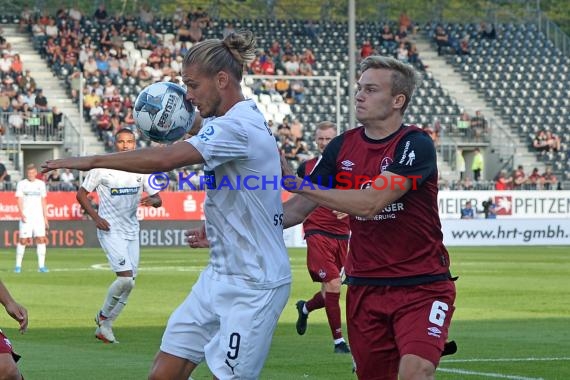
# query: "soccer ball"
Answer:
x=162 y=112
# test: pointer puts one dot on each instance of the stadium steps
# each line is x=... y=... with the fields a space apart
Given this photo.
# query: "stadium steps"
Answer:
x=53 y=88
x=471 y=101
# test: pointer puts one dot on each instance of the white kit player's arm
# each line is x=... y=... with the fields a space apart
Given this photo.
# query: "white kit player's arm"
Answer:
x=149 y=160
x=83 y=199
x=21 y=209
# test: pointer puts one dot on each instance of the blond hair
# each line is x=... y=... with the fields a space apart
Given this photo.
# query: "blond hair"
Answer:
x=231 y=54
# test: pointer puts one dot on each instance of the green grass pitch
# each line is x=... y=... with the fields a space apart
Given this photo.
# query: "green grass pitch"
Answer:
x=512 y=319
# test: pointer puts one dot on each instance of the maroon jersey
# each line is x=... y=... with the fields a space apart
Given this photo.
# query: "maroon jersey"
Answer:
x=405 y=239
x=322 y=220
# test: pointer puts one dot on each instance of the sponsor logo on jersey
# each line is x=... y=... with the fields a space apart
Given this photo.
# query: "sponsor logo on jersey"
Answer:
x=124 y=191
x=347 y=165
x=434 y=331
x=406 y=148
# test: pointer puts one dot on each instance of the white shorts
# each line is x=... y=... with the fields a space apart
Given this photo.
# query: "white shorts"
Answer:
x=229 y=326
x=32 y=227
x=123 y=254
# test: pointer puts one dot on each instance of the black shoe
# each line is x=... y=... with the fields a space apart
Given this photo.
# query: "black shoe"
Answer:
x=302 y=319
x=341 y=348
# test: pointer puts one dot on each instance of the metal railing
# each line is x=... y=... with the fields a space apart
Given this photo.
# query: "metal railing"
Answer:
x=30 y=127
x=553 y=32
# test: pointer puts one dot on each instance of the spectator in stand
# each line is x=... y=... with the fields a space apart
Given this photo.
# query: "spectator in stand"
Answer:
x=553 y=141
x=535 y=180
x=441 y=38
x=387 y=38
x=540 y=142
x=519 y=178
x=503 y=181
x=41 y=101
x=101 y=15
x=305 y=68
x=297 y=92
x=477 y=165
x=366 y=49
x=296 y=129
x=68 y=181
x=478 y=125
x=467 y=211
x=54 y=181
x=549 y=179
x=5 y=179
x=402 y=52
x=289 y=150
x=414 y=58
x=17 y=65
x=464 y=46
x=487 y=31
x=405 y=23
x=309 y=56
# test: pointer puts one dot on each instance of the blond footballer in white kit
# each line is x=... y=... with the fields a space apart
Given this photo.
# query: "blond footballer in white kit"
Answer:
x=229 y=318
x=119 y=194
x=31 y=193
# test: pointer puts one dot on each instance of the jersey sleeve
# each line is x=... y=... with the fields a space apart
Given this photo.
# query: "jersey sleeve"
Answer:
x=218 y=143
x=92 y=180
x=414 y=156
x=43 y=190
x=302 y=169
x=325 y=169
x=150 y=190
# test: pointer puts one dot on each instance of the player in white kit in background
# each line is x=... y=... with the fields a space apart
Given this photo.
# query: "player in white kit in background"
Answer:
x=229 y=317
x=31 y=193
x=119 y=194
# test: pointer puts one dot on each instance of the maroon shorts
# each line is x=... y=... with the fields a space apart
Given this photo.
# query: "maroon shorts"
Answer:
x=387 y=322
x=325 y=257
x=6 y=347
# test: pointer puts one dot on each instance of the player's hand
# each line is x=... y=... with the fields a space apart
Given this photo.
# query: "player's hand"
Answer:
x=79 y=163
x=19 y=313
x=46 y=223
x=150 y=201
x=23 y=219
x=339 y=214
x=290 y=180
x=196 y=237
x=102 y=224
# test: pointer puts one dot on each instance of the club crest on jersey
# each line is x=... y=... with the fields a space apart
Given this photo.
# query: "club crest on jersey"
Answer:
x=124 y=191
x=386 y=161
x=322 y=273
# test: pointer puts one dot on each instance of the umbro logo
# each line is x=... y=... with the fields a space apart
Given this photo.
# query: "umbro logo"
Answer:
x=347 y=165
x=434 y=331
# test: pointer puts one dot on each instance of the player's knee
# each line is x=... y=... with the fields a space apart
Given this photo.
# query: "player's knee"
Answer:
x=333 y=286
x=127 y=283
x=41 y=240
x=413 y=367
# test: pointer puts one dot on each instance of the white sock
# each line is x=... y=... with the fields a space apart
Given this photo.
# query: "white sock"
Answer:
x=117 y=297
x=41 y=249
x=339 y=340
x=20 y=250
x=128 y=287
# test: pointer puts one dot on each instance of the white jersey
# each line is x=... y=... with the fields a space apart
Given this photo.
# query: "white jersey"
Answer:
x=245 y=226
x=119 y=196
x=32 y=193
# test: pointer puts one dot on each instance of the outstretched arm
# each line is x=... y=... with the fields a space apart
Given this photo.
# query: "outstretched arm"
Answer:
x=147 y=160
